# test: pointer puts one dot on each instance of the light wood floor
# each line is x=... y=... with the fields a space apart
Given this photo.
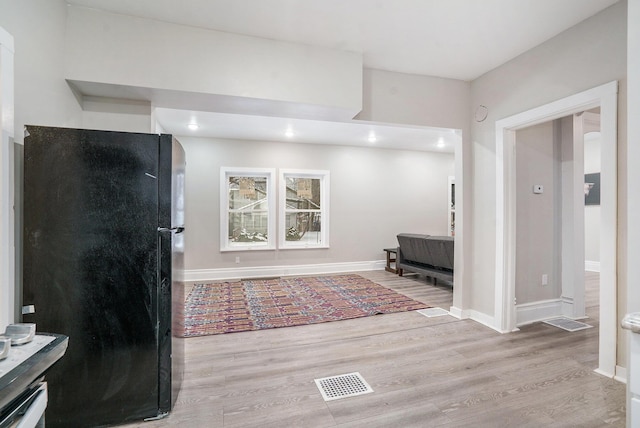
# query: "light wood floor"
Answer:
x=425 y=372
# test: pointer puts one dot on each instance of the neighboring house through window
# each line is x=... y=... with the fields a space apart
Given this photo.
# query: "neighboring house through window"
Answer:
x=304 y=209
x=247 y=204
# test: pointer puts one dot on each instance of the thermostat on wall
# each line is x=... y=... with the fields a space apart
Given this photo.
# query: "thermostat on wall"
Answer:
x=538 y=188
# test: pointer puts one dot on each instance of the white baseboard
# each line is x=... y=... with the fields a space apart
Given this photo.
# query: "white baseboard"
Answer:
x=604 y=373
x=528 y=313
x=456 y=312
x=591 y=266
x=484 y=319
x=195 y=275
x=476 y=316
x=621 y=374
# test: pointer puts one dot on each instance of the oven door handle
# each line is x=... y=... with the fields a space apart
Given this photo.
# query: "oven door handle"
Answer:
x=30 y=412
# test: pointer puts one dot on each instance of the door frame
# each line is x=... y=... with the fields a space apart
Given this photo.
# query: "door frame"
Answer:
x=7 y=228
x=605 y=97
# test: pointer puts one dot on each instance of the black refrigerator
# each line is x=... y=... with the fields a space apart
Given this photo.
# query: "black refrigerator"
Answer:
x=103 y=222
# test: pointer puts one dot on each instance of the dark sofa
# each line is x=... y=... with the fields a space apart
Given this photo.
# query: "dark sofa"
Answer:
x=429 y=255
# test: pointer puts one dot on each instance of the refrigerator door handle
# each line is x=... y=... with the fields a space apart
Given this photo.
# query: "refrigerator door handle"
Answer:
x=176 y=230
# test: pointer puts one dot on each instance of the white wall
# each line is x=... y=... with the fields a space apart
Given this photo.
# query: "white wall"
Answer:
x=587 y=55
x=116 y=114
x=537 y=233
x=42 y=96
x=426 y=100
x=120 y=50
x=375 y=194
x=413 y=99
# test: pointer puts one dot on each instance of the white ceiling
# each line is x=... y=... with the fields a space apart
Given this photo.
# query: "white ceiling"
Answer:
x=458 y=39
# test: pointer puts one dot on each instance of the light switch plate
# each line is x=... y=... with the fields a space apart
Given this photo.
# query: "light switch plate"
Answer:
x=538 y=188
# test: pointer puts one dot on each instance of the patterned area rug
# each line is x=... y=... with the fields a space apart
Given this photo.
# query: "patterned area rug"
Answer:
x=283 y=302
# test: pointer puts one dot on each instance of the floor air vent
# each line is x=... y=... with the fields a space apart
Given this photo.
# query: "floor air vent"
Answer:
x=433 y=312
x=342 y=386
x=567 y=324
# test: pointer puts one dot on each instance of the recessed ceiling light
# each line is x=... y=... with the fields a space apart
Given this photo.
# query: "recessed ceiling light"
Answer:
x=289 y=133
x=193 y=126
x=372 y=138
x=440 y=142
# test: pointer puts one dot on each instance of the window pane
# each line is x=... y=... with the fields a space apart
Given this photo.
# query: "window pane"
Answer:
x=248 y=227
x=247 y=209
x=304 y=228
x=303 y=193
x=247 y=193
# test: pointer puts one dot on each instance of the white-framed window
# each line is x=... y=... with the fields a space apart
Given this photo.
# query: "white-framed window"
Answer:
x=248 y=209
x=304 y=209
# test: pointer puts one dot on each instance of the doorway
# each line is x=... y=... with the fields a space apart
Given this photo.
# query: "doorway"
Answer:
x=604 y=97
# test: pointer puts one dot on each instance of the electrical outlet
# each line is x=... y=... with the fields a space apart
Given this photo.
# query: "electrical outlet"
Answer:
x=545 y=279
x=237 y=260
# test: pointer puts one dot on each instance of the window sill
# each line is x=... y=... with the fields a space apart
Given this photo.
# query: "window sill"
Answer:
x=247 y=248
x=304 y=247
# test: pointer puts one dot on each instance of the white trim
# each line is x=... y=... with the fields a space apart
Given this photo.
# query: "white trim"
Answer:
x=482 y=318
x=528 y=313
x=568 y=307
x=6 y=40
x=609 y=326
x=621 y=374
x=591 y=266
x=564 y=107
x=270 y=174
x=572 y=218
x=269 y=271
x=476 y=316
x=605 y=374
x=604 y=96
x=452 y=212
x=505 y=229
x=7 y=221
x=462 y=246
x=456 y=312
x=479 y=317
